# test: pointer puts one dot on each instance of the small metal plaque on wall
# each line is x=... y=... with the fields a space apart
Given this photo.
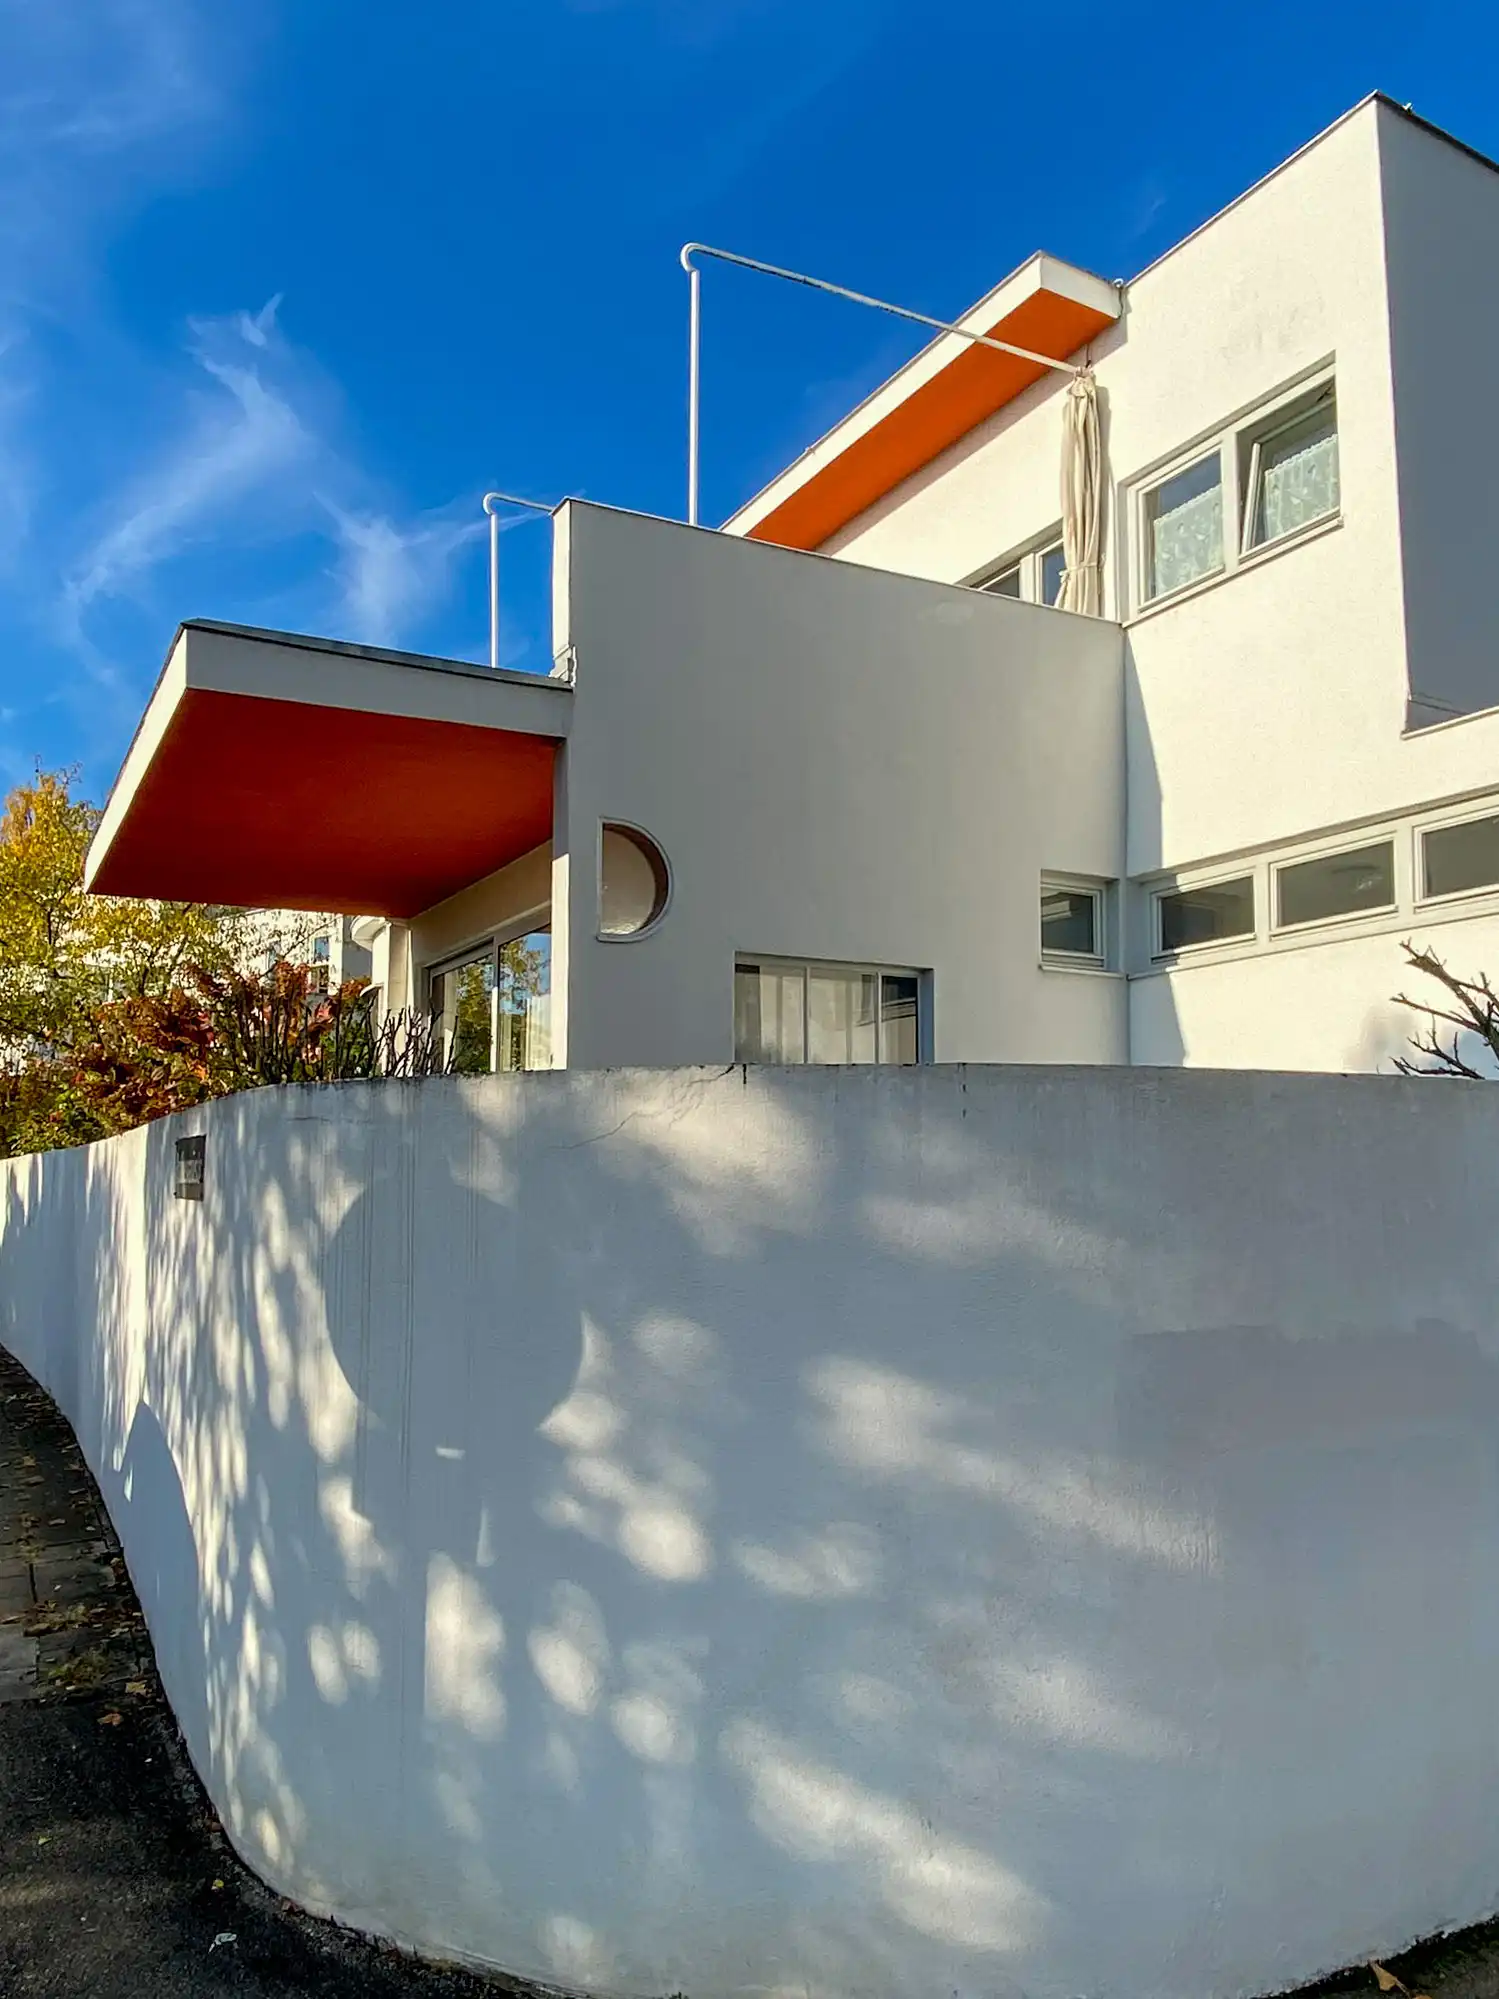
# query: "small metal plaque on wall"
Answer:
x=188 y=1182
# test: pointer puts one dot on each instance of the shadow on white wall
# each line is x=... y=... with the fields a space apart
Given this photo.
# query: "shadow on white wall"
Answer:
x=773 y=1532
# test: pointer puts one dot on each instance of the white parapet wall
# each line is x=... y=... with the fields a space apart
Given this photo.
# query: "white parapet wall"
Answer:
x=980 y=1531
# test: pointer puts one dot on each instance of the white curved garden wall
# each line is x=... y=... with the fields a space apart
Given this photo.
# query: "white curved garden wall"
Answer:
x=969 y=1531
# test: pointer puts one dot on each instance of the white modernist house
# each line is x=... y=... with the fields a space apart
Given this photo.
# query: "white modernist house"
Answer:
x=838 y=782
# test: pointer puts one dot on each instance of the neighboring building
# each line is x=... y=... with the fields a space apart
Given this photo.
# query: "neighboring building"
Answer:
x=892 y=806
x=323 y=939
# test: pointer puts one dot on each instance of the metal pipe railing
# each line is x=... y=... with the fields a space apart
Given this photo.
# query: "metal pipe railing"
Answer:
x=694 y=338
x=492 y=504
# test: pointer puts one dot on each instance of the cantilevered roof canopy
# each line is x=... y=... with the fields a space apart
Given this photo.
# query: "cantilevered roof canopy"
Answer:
x=951 y=385
x=279 y=772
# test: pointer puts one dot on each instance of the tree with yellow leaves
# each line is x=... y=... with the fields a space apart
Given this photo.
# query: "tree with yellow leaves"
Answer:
x=66 y=957
x=64 y=953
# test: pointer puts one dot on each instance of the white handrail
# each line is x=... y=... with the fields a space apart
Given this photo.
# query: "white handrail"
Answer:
x=694 y=338
x=492 y=504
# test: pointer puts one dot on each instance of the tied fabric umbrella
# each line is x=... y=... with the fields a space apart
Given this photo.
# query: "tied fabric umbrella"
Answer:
x=1082 y=499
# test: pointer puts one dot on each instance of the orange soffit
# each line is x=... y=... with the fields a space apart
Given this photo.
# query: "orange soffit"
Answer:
x=287 y=805
x=972 y=386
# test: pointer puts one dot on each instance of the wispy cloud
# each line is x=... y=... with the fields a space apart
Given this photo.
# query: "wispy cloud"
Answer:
x=257 y=461
x=1144 y=202
x=17 y=473
x=389 y=574
x=221 y=472
x=98 y=73
x=99 y=101
x=84 y=83
x=237 y=441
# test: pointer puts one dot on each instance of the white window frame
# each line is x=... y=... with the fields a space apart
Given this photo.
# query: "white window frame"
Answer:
x=1188 y=462
x=1469 y=816
x=483 y=951
x=1372 y=836
x=1184 y=885
x=1256 y=436
x=1405 y=831
x=773 y=961
x=1237 y=445
x=1028 y=563
x=1101 y=892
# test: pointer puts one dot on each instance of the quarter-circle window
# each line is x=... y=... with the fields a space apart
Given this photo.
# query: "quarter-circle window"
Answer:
x=633 y=882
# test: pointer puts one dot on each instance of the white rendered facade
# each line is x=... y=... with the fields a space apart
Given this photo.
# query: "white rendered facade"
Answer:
x=1283 y=707
x=862 y=775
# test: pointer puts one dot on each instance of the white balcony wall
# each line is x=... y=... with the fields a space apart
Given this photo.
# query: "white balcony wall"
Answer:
x=838 y=763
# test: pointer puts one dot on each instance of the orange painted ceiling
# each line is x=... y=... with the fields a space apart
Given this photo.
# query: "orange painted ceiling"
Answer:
x=973 y=385
x=283 y=805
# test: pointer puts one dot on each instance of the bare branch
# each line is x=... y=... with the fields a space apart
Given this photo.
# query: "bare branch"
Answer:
x=1474 y=1013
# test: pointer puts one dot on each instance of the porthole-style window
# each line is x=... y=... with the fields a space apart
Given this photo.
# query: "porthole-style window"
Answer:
x=633 y=882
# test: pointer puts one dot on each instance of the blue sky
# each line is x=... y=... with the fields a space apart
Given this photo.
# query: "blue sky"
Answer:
x=284 y=287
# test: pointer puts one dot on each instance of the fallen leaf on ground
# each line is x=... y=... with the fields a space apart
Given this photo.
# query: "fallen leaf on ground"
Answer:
x=110 y=1720
x=1388 y=1982
x=135 y=1686
x=218 y=1884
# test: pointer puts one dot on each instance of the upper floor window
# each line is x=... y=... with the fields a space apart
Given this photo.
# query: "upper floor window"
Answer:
x=789 y=1012
x=1455 y=860
x=1350 y=883
x=1183 y=523
x=1293 y=472
x=1034 y=577
x=1216 y=912
x=1261 y=481
x=1073 y=922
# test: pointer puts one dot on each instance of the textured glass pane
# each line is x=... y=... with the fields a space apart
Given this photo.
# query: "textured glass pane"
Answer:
x=1298 y=479
x=1337 y=884
x=1459 y=857
x=899 y=1041
x=769 y=1016
x=1207 y=915
x=1052 y=567
x=1007 y=585
x=525 y=1008
x=1069 y=922
x=840 y=1016
x=1184 y=527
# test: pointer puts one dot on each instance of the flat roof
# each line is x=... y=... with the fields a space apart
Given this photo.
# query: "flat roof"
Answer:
x=1051 y=307
x=272 y=770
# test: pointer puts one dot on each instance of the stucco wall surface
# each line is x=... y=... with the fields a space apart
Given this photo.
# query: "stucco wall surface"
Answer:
x=839 y=764
x=1329 y=1006
x=1270 y=705
x=1441 y=208
x=972 y=1531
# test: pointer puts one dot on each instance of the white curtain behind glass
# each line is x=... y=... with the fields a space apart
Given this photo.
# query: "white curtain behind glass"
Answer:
x=1298 y=477
x=1186 y=527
